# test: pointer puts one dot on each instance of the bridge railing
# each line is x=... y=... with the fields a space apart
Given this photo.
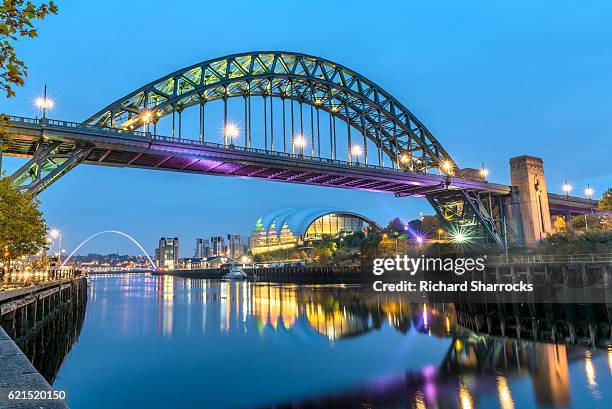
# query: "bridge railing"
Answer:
x=148 y=136
x=54 y=123
x=556 y=258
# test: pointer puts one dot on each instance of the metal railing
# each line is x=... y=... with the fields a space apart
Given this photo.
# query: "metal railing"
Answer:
x=556 y=258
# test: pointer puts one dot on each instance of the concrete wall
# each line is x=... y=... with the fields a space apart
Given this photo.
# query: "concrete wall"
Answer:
x=18 y=374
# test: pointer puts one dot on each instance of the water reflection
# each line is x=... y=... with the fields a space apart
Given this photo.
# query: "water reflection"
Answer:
x=47 y=342
x=318 y=346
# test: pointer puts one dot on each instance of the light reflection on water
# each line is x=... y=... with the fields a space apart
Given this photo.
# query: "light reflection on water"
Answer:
x=161 y=342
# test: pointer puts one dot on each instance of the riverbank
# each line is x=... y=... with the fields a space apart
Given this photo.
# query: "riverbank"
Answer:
x=19 y=376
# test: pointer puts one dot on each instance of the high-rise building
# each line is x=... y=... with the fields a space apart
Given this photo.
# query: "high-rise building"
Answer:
x=217 y=246
x=238 y=245
x=167 y=254
x=206 y=251
x=199 y=250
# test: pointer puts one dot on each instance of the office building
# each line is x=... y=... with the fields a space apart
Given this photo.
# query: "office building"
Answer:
x=167 y=254
x=217 y=246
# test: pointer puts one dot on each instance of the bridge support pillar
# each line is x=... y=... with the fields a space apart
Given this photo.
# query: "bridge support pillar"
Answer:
x=527 y=176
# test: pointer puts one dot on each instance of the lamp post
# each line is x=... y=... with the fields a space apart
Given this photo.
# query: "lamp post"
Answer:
x=589 y=192
x=231 y=132
x=567 y=188
x=300 y=142
x=44 y=103
x=146 y=117
x=395 y=234
x=447 y=167
x=57 y=235
x=484 y=172
x=356 y=151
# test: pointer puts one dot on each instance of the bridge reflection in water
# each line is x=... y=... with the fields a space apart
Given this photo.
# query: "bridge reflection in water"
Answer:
x=471 y=369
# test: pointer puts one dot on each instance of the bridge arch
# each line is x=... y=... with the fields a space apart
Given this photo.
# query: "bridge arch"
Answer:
x=133 y=240
x=322 y=84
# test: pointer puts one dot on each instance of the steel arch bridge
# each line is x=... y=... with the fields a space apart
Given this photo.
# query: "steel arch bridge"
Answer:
x=400 y=155
x=309 y=80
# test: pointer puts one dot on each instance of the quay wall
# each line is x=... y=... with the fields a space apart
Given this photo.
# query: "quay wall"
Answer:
x=36 y=322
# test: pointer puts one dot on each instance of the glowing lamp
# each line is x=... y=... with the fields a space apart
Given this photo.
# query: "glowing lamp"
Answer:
x=231 y=130
x=567 y=188
x=300 y=141
x=447 y=166
x=356 y=150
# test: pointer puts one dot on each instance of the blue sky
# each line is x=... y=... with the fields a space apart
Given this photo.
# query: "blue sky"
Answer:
x=491 y=80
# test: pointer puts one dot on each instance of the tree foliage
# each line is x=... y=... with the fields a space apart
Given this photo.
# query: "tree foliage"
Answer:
x=17 y=21
x=325 y=250
x=396 y=225
x=22 y=227
x=605 y=203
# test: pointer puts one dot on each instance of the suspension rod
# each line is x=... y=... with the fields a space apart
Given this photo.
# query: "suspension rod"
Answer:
x=335 y=151
x=173 y=121
x=331 y=137
x=249 y=124
x=396 y=145
x=265 y=123
x=225 y=118
x=381 y=158
x=292 y=130
x=348 y=134
x=246 y=121
x=284 y=128
x=180 y=132
x=365 y=140
x=201 y=121
x=312 y=133
x=318 y=134
x=271 y=123
x=301 y=120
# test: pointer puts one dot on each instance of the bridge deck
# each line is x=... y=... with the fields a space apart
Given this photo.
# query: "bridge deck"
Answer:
x=139 y=150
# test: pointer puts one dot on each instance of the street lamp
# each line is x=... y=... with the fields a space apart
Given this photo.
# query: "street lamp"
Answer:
x=484 y=172
x=447 y=166
x=231 y=131
x=43 y=103
x=567 y=188
x=300 y=142
x=244 y=260
x=589 y=192
x=55 y=234
x=356 y=151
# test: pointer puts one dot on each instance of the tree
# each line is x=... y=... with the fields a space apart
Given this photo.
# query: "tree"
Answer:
x=605 y=203
x=396 y=225
x=22 y=227
x=324 y=251
x=16 y=21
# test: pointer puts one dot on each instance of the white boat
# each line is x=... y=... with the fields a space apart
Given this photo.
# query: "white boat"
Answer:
x=235 y=273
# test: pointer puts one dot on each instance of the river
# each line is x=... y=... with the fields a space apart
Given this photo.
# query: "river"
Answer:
x=169 y=342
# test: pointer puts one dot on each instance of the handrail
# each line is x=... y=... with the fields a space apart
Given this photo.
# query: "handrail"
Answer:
x=555 y=258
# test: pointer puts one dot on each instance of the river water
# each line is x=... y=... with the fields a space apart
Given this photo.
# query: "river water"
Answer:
x=168 y=342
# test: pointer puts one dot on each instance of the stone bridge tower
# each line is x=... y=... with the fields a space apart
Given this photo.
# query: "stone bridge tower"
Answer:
x=527 y=175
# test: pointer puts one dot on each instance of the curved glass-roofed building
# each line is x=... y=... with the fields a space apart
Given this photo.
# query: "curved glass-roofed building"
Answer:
x=291 y=227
